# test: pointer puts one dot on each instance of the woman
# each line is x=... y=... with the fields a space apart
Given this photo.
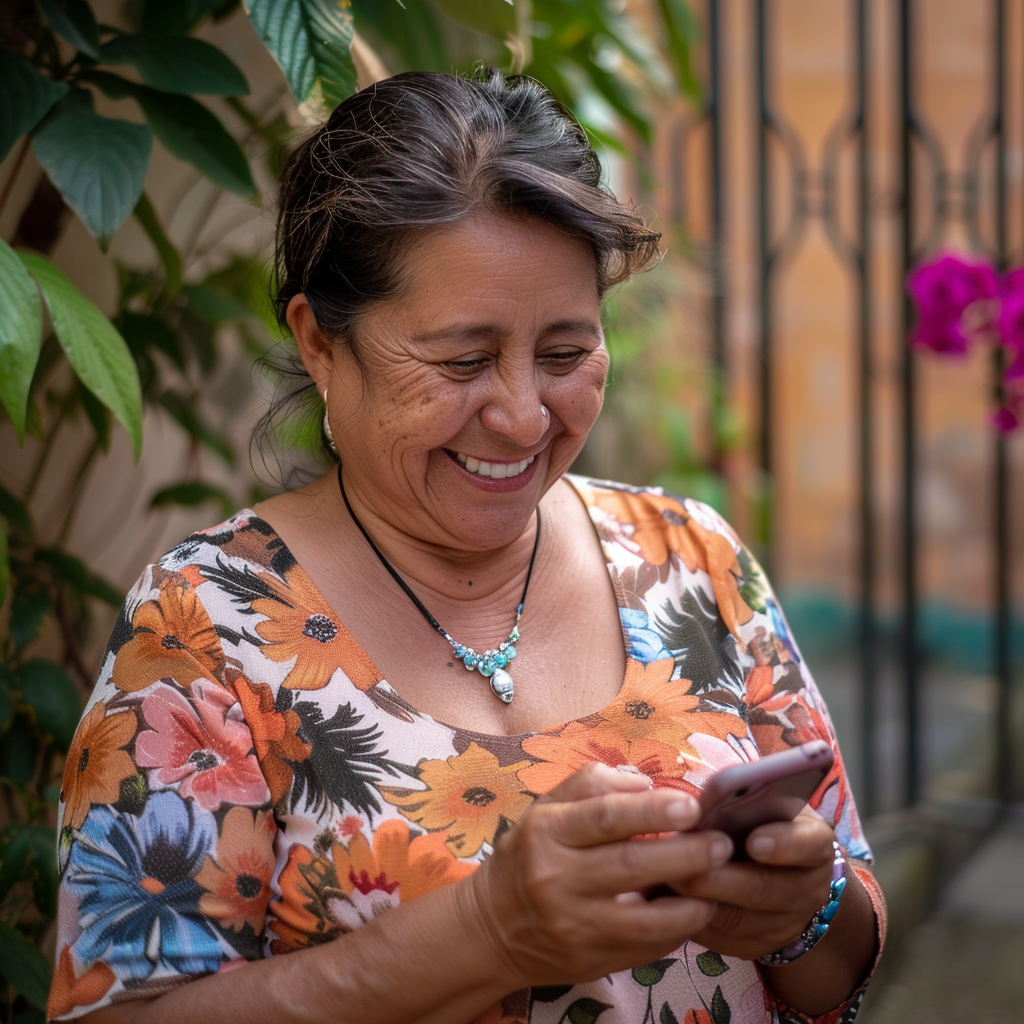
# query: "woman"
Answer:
x=405 y=723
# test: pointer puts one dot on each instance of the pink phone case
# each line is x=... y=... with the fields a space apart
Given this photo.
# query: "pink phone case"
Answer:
x=738 y=799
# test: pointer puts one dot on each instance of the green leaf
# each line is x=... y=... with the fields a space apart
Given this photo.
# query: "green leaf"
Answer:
x=97 y=163
x=29 y=608
x=667 y=1016
x=548 y=993
x=496 y=18
x=74 y=20
x=53 y=697
x=98 y=415
x=19 y=753
x=754 y=587
x=97 y=353
x=194 y=135
x=183 y=410
x=148 y=332
x=16 y=513
x=132 y=794
x=6 y=709
x=177 y=64
x=312 y=41
x=27 y=854
x=650 y=974
x=176 y=18
x=194 y=493
x=21 y=328
x=585 y=1011
x=169 y=255
x=711 y=963
x=215 y=307
x=680 y=33
x=720 y=1012
x=26 y=96
x=77 y=574
x=24 y=966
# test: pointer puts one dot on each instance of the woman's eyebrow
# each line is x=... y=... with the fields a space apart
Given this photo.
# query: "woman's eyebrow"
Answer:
x=469 y=332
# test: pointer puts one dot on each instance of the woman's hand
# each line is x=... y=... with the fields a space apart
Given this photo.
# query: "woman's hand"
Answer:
x=765 y=903
x=559 y=895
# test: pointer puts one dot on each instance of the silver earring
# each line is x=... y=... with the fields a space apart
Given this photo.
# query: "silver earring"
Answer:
x=327 y=426
x=544 y=411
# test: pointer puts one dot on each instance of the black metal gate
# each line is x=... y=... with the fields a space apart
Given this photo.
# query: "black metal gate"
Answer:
x=935 y=193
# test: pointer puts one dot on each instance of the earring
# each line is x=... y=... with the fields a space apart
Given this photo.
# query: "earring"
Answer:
x=327 y=426
x=544 y=411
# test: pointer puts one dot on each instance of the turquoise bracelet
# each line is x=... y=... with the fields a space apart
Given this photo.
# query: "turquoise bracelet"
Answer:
x=818 y=925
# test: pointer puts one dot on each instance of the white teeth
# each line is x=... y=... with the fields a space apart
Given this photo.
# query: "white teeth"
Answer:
x=495 y=470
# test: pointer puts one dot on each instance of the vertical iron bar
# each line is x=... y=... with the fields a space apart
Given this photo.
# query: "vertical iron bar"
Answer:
x=867 y=638
x=1001 y=552
x=910 y=653
x=718 y=278
x=765 y=297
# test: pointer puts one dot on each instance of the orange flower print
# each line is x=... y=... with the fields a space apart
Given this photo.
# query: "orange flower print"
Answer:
x=660 y=526
x=561 y=754
x=700 y=1016
x=172 y=638
x=274 y=735
x=394 y=870
x=467 y=796
x=68 y=990
x=722 y=565
x=652 y=705
x=300 y=918
x=237 y=883
x=300 y=625
x=97 y=763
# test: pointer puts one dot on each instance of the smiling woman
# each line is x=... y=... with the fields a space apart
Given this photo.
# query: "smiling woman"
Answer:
x=284 y=754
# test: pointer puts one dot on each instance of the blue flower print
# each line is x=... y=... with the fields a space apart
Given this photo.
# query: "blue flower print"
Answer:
x=135 y=879
x=645 y=643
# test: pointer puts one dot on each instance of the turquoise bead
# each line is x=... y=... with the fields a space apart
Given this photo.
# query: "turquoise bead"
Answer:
x=487 y=667
x=510 y=652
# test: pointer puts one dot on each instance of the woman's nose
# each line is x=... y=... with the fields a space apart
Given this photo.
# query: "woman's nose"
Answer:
x=518 y=414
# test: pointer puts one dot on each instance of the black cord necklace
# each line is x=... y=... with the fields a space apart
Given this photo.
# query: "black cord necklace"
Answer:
x=492 y=663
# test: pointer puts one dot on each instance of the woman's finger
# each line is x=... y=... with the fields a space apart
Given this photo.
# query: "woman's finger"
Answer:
x=593 y=780
x=806 y=841
x=613 y=816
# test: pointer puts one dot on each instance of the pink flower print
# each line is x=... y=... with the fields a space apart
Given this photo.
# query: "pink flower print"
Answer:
x=954 y=302
x=198 y=746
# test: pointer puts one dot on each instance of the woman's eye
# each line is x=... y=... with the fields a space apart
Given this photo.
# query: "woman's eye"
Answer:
x=465 y=365
x=564 y=357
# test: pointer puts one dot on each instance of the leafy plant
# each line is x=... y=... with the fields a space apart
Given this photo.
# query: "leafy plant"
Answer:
x=66 y=366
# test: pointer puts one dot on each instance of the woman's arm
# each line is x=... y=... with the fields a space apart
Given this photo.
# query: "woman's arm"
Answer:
x=547 y=908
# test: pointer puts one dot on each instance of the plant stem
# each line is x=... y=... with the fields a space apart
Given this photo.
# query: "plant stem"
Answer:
x=15 y=170
x=75 y=494
x=72 y=650
x=48 y=444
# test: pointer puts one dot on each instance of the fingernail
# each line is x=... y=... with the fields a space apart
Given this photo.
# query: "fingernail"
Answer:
x=683 y=812
x=721 y=850
x=762 y=846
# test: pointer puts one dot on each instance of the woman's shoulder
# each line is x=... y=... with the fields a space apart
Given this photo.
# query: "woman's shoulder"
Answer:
x=650 y=508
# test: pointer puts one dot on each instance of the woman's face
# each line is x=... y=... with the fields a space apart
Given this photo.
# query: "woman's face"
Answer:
x=439 y=424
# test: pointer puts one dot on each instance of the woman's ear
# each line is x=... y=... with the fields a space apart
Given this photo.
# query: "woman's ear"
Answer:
x=315 y=349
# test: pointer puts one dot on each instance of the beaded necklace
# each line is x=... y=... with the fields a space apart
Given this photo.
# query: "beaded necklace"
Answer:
x=492 y=664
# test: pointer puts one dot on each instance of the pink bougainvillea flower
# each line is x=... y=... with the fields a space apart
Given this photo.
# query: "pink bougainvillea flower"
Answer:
x=198 y=746
x=955 y=302
x=1011 y=324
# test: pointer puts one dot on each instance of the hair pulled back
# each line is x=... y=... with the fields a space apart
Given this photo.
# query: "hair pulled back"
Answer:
x=424 y=149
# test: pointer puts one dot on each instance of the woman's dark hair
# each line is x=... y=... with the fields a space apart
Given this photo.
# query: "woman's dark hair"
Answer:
x=424 y=149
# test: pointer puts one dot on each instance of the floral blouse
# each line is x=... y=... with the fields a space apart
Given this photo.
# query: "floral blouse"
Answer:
x=244 y=783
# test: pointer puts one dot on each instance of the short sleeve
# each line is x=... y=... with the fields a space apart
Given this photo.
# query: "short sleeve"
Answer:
x=166 y=829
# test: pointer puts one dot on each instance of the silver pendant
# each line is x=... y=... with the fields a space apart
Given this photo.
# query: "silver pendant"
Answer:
x=502 y=685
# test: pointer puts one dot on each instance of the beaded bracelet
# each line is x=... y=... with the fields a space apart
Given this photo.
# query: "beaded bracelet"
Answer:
x=818 y=925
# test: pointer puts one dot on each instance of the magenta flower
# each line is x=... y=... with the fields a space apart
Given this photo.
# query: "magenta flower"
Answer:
x=947 y=293
x=1011 y=324
x=196 y=745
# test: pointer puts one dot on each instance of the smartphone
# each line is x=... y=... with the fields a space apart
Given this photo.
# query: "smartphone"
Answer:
x=738 y=799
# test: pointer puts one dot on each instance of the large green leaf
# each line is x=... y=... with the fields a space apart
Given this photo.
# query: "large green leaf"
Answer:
x=184 y=411
x=194 y=135
x=97 y=163
x=680 y=32
x=97 y=353
x=21 y=329
x=5 y=569
x=16 y=512
x=53 y=697
x=188 y=130
x=74 y=20
x=177 y=64
x=25 y=97
x=312 y=41
x=24 y=966
x=193 y=493
x=29 y=608
x=178 y=17
x=26 y=854
x=497 y=18
x=74 y=571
